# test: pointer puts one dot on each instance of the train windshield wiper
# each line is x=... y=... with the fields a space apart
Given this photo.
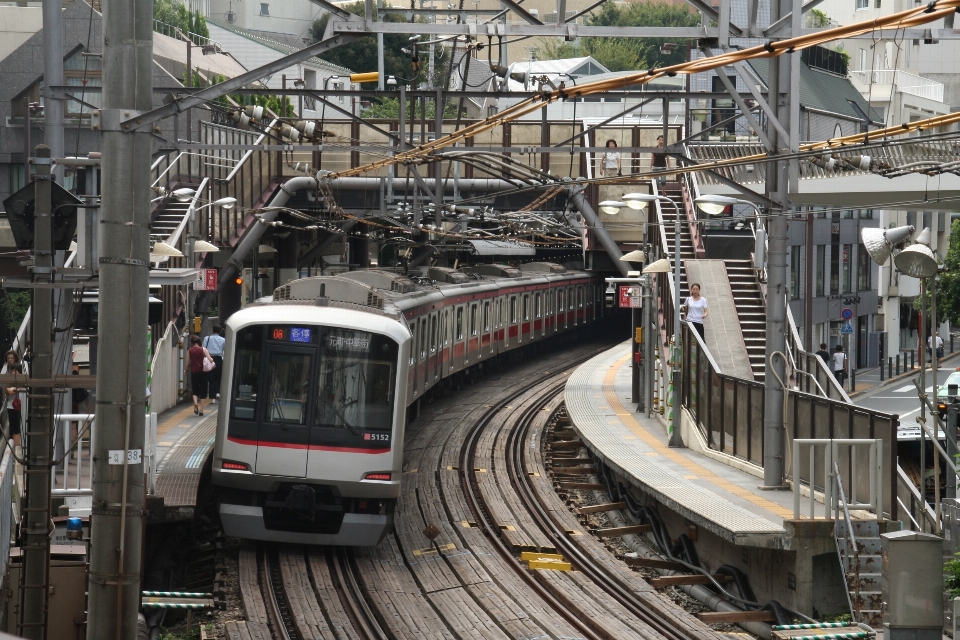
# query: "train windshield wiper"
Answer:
x=346 y=423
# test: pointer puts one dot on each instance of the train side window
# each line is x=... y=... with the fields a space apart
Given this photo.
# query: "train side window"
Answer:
x=559 y=300
x=433 y=333
x=580 y=297
x=526 y=305
x=287 y=387
x=570 y=300
x=246 y=372
x=486 y=317
x=443 y=327
x=459 y=323
x=473 y=320
x=537 y=309
x=513 y=310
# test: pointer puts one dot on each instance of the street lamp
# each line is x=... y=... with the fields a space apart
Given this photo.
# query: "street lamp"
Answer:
x=612 y=207
x=639 y=201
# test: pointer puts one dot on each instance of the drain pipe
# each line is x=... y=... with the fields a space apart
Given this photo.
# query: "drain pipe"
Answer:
x=579 y=201
x=698 y=592
x=251 y=239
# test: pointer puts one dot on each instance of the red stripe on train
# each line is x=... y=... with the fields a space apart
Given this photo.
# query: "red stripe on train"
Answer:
x=315 y=447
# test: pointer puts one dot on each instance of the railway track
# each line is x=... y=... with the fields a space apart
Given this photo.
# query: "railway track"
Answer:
x=476 y=492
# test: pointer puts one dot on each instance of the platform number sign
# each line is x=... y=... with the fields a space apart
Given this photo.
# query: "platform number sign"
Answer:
x=134 y=456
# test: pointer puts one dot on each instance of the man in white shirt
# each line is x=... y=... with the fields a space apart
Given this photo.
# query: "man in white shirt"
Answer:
x=214 y=343
x=939 y=345
x=839 y=364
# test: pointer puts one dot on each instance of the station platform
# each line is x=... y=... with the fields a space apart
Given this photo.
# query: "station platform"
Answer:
x=184 y=442
x=708 y=493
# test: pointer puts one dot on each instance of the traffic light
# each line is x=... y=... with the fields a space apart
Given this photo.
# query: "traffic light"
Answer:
x=239 y=280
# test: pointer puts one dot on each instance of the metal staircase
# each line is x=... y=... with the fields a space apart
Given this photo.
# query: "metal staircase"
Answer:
x=860 y=560
x=750 y=311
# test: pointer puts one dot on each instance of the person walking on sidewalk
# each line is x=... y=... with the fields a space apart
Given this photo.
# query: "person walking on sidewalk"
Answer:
x=824 y=354
x=697 y=309
x=214 y=344
x=939 y=345
x=199 y=379
x=839 y=364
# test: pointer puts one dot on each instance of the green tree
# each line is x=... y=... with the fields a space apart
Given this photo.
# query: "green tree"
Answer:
x=389 y=109
x=14 y=307
x=948 y=286
x=176 y=14
x=360 y=55
x=627 y=54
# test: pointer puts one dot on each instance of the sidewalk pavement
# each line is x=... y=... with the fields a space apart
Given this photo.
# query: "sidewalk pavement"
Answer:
x=869 y=379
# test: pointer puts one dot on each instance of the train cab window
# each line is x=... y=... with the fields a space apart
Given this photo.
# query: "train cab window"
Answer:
x=246 y=372
x=486 y=317
x=357 y=382
x=288 y=380
x=537 y=309
x=433 y=334
x=474 y=324
x=459 y=323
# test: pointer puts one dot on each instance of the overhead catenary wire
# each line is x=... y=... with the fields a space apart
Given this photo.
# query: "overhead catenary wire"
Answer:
x=916 y=16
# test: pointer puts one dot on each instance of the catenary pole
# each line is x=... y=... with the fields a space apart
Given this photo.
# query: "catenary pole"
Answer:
x=39 y=431
x=53 y=77
x=118 y=489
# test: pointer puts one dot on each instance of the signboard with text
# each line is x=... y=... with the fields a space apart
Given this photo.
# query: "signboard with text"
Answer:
x=206 y=280
x=629 y=297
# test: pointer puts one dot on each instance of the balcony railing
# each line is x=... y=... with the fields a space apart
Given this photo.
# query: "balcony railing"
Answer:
x=905 y=82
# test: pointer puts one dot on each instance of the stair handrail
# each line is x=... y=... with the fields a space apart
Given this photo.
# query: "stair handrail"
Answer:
x=174 y=236
x=842 y=502
x=926 y=511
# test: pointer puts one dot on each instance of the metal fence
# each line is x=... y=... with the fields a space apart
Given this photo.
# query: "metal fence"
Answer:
x=729 y=412
x=165 y=371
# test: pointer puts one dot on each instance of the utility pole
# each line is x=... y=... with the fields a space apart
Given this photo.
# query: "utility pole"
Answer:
x=53 y=77
x=777 y=186
x=35 y=573
x=118 y=488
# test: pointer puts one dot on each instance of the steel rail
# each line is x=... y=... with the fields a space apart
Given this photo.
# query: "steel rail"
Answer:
x=271 y=584
x=516 y=467
x=352 y=597
x=476 y=503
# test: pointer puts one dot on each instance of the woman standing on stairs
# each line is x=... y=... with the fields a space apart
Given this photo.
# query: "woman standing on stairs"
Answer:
x=697 y=309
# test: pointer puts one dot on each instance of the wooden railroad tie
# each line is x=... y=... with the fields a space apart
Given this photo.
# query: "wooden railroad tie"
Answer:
x=602 y=508
x=650 y=563
x=616 y=532
x=720 y=617
x=674 y=581
x=566 y=444
x=596 y=486
x=574 y=471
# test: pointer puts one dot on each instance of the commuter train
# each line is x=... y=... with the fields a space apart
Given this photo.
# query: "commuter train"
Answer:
x=318 y=381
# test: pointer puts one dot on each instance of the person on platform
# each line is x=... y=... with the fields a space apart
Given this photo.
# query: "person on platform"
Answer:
x=199 y=379
x=697 y=309
x=14 y=399
x=611 y=160
x=839 y=364
x=214 y=344
x=658 y=161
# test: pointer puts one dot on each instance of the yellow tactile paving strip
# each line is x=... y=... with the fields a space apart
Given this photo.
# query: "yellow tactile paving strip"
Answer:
x=173 y=421
x=674 y=455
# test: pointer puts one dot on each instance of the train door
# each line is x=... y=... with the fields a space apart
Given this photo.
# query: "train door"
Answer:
x=435 y=364
x=561 y=310
x=459 y=343
x=446 y=357
x=513 y=328
x=285 y=433
x=537 y=315
x=486 y=341
x=524 y=318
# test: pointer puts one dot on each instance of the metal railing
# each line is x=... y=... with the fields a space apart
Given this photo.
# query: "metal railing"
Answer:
x=905 y=82
x=173 y=31
x=164 y=368
x=74 y=477
x=833 y=477
x=729 y=413
x=921 y=515
x=847 y=552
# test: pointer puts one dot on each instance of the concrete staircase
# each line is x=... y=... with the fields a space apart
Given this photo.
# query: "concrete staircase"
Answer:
x=750 y=312
x=861 y=568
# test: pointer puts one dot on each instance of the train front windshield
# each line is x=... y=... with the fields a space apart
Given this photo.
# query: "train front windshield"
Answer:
x=330 y=382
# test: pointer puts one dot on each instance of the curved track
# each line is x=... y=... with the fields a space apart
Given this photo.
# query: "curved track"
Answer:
x=476 y=492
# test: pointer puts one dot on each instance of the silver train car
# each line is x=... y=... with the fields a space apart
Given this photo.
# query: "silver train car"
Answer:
x=317 y=384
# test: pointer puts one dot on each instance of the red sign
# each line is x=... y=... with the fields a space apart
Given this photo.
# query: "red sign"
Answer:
x=206 y=280
x=628 y=301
